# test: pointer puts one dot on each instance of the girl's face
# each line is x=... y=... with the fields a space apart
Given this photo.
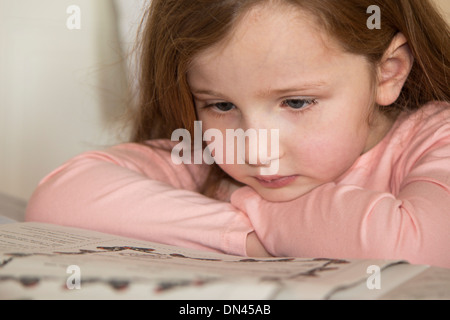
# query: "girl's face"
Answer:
x=278 y=70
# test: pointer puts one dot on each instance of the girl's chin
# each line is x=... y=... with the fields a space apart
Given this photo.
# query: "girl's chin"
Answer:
x=284 y=194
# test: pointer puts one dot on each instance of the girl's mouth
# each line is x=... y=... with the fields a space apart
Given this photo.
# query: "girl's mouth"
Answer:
x=275 y=181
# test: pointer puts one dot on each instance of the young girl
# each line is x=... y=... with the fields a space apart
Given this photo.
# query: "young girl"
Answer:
x=363 y=122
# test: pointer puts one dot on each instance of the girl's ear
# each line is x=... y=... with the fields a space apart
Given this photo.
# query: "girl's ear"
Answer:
x=393 y=70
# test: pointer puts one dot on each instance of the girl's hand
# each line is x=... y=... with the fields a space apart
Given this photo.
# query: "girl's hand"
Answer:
x=254 y=247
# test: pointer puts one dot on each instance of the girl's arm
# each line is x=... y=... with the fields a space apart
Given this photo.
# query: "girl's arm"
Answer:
x=136 y=191
x=345 y=221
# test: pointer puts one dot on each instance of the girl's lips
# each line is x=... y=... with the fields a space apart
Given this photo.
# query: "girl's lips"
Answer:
x=275 y=181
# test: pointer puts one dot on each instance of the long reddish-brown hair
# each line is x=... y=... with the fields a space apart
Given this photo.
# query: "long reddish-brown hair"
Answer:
x=173 y=32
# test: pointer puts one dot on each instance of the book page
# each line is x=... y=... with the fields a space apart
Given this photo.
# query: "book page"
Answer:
x=41 y=261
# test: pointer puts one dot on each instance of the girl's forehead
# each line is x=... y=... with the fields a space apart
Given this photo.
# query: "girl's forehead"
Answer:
x=274 y=39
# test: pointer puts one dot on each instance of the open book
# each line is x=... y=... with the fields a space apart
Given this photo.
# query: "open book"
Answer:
x=43 y=261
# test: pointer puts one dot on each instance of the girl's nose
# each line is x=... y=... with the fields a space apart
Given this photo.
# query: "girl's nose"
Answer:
x=262 y=147
x=262 y=141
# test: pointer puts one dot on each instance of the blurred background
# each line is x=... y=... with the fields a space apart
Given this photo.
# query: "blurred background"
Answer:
x=63 y=90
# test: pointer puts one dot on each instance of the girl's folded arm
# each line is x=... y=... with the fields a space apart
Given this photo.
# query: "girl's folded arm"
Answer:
x=134 y=190
x=337 y=221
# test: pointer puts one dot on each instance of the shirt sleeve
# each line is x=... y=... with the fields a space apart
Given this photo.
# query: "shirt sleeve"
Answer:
x=347 y=221
x=136 y=191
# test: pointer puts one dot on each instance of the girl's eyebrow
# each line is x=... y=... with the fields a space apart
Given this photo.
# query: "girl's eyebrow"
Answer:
x=283 y=91
x=205 y=92
x=267 y=92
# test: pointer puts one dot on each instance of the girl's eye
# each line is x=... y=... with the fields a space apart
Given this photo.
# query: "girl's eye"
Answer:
x=223 y=106
x=298 y=104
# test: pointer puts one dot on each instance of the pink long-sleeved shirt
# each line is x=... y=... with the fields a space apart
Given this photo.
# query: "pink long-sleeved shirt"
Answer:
x=394 y=203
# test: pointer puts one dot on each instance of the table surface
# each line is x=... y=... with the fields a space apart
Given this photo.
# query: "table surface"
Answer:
x=11 y=209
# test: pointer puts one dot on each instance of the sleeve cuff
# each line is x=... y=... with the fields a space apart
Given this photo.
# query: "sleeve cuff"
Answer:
x=236 y=236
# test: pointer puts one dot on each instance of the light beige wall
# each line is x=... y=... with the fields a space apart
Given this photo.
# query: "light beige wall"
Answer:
x=445 y=7
x=60 y=89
